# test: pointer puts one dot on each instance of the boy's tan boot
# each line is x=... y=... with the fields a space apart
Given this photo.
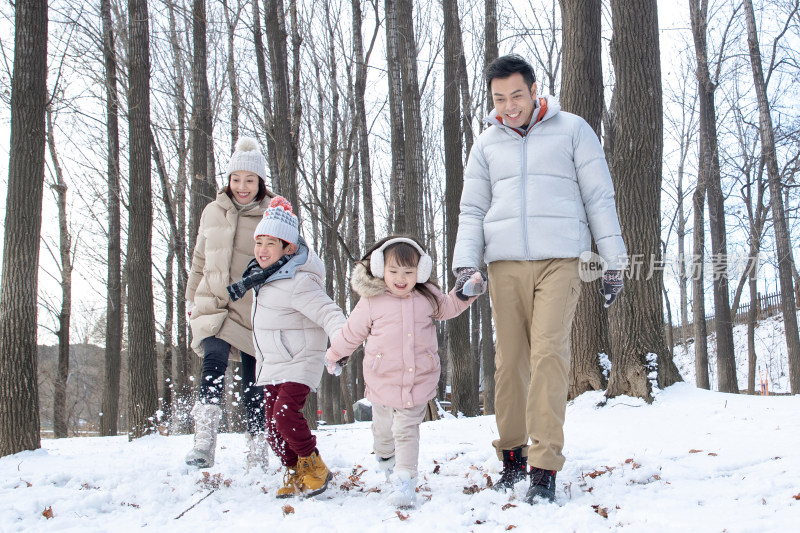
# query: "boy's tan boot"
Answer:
x=315 y=474
x=292 y=482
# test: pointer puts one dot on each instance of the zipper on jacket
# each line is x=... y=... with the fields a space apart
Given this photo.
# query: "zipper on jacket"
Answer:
x=255 y=341
x=524 y=177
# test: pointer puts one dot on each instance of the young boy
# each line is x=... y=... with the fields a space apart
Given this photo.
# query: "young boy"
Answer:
x=292 y=319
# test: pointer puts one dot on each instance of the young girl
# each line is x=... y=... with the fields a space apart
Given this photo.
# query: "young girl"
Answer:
x=399 y=302
x=222 y=328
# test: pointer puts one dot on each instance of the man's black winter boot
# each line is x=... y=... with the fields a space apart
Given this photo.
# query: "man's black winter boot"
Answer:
x=543 y=486
x=515 y=468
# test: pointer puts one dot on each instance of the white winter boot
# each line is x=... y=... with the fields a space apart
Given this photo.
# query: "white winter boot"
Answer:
x=403 y=493
x=206 y=425
x=257 y=451
x=386 y=466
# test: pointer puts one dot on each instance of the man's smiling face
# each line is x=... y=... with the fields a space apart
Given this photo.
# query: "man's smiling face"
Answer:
x=514 y=100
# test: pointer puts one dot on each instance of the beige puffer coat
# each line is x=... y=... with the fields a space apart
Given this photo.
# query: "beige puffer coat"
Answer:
x=224 y=247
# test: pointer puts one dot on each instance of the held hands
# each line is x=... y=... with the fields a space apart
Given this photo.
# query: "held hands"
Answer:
x=335 y=367
x=470 y=282
x=612 y=285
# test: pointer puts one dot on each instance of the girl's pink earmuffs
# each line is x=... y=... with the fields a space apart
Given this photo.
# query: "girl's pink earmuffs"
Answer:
x=424 y=267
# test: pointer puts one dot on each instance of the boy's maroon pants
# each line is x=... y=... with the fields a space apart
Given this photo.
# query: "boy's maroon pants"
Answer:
x=287 y=430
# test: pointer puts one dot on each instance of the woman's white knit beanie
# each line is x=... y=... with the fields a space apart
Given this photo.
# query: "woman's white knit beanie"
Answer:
x=247 y=157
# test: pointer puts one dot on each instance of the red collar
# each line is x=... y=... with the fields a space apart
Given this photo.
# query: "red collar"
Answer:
x=539 y=116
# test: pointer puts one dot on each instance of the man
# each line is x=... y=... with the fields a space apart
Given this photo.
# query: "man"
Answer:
x=535 y=186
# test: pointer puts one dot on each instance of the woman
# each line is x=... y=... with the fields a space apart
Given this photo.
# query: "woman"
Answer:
x=222 y=328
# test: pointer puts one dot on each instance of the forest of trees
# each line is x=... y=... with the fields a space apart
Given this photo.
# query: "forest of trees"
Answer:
x=122 y=121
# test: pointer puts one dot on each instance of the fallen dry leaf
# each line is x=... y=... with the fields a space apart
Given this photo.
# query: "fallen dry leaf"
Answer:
x=287 y=509
x=472 y=489
x=479 y=522
x=602 y=511
x=599 y=472
x=163 y=430
x=427 y=496
x=48 y=513
x=712 y=454
x=509 y=528
x=796 y=496
x=507 y=506
x=214 y=481
x=695 y=451
x=436 y=469
x=401 y=516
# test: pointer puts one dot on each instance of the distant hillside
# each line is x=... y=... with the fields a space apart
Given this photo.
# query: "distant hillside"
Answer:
x=84 y=387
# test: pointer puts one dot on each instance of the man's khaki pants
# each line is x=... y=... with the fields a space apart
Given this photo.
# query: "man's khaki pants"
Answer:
x=533 y=304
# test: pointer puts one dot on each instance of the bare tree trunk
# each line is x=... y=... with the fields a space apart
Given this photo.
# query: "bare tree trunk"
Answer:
x=167 y=378
x=464 y=393
x=19 y=394
x=142 y=403
x=709 y=170
x=285 y=145
x=490 y=50
x=637 y=317
x=698 y=292
x=184 y=359
x=399 y=195
x=203 y=186
x=490 y=53
x=582 y=94
x=169 y=208
x=681 y=236
x=783 y=243
x=230 y=65
x=266 y=99
x=114 y=317
x=360 y=117
x=412 y=116
x=60 y=429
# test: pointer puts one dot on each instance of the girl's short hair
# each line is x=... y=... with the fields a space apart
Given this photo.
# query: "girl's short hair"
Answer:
x=262 y=193
x=405 y=255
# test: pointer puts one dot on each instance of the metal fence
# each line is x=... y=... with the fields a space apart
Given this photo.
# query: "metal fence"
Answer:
x=768 y=305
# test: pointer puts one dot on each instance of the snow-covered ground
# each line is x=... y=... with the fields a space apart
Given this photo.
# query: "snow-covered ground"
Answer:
x=772 y=360
x=693 y=461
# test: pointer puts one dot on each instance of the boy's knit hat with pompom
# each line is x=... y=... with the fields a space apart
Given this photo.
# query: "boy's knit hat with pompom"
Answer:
x=247 y=156
x=279 y=221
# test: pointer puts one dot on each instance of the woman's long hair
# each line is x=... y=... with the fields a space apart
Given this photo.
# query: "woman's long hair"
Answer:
x=405 y=255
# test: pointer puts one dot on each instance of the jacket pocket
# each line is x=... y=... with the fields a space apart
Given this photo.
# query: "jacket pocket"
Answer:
x=268 y=343
x=428 y=363
x=376 y=362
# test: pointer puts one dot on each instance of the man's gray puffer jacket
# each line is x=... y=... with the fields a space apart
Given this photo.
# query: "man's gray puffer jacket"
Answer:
x=537 y=196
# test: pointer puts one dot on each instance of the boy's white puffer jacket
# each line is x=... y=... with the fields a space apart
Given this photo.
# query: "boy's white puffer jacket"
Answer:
x=538 y=196
x=292 y=319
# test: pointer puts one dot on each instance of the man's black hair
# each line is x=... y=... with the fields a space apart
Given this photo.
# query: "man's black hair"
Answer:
x=505 y=66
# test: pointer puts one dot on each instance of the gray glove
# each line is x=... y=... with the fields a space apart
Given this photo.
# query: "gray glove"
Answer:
x=612 y=285
x=468 y=284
